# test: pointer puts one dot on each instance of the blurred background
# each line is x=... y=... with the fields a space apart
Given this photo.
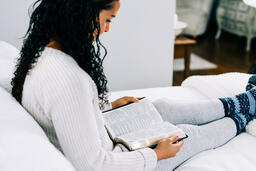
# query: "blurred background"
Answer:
x=224 y=32
x=139 y=43
x=154 y=44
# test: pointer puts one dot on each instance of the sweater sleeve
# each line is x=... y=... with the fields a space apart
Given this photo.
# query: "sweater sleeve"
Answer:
x=106 y=106
x=71 y=106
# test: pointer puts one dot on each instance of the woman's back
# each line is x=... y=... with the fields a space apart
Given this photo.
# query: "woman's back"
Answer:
x=48 y=81
x=50 y=76
x=63 y=99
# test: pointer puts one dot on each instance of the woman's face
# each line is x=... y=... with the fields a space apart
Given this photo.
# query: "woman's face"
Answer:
x=107 y=15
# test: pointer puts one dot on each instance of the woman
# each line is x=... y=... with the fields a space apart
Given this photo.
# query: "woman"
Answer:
x=59 y=79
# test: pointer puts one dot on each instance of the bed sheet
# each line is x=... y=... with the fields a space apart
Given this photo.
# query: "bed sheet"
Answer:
x=236 y=155
x=160 y=92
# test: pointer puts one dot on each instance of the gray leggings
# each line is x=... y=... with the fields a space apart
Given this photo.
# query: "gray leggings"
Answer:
x=202 y=121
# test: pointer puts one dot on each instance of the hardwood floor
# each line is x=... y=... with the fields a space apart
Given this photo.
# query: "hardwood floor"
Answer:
x=228 y=53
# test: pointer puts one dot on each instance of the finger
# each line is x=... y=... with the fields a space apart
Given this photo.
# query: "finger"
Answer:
x=128 y=97
x=165 y=139
x=132 y=99
x=174 y=139
x=179 y=144
x=138 y=98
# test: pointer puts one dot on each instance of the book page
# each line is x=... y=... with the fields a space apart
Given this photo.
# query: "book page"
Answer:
x=147 y=137
x=132 y=117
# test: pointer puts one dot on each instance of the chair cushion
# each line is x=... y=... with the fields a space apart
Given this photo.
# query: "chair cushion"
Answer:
x=197 y=22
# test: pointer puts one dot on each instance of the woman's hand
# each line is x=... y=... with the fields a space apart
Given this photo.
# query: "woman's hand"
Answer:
x=167 y=149
x=123 y=101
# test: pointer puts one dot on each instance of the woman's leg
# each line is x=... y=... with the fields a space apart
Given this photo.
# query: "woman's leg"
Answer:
x=195 y=112
x=201 y=138
x=199 y=112
x=208 y=136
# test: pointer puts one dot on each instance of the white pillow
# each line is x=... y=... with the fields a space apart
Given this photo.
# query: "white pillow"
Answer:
x=222 y=85
x=14 y=118
x=20 y=152
x=8 y=59
x=23 y=144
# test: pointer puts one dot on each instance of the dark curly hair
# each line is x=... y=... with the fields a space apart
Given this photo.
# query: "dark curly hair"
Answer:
x=72 y=23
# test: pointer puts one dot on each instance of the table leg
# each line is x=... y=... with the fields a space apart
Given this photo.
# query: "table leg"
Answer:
x=187 y=61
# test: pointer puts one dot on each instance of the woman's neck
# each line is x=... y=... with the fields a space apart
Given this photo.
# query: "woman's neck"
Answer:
x=53 y=44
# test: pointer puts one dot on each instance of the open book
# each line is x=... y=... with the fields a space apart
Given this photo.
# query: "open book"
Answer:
x=138 y=125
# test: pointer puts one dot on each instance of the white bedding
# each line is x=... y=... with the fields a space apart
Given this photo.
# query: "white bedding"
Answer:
x=236 y=155
x=24 y=146
x=156 y=93
x=8 y=59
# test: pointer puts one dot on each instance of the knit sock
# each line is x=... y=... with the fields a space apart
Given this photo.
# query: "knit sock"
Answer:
x=241 y=121
x=242 y=103
x=251 y=83
x=242 y=107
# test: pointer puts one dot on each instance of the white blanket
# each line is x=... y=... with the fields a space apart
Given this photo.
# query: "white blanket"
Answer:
x=24 y=146
x=239 y=153
x=236 y=155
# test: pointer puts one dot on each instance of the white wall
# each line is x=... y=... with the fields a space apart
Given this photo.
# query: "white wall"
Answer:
x=14 y=20
x=140 y=45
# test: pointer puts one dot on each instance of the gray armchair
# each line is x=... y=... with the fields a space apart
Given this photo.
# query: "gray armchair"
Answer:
x=196 y=14
x=235 y=17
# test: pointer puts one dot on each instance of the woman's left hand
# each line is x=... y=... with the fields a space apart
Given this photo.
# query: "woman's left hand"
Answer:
x=123 y=101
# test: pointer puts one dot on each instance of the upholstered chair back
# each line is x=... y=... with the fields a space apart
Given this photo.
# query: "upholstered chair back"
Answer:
x=203 y=5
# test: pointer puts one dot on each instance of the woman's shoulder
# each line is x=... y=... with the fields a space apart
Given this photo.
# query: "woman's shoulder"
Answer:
x=56 y=64
x=55 y=77
x=57 y=71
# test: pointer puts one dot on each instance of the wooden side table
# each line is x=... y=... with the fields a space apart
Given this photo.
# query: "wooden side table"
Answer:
x=182 y=49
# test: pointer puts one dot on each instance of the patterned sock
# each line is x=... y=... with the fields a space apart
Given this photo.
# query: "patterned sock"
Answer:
x=242 y=107
x=241 y=121
x=242 y=103
x=251 y=83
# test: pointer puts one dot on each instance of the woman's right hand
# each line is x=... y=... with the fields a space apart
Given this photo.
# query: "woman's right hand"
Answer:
x=167 y=149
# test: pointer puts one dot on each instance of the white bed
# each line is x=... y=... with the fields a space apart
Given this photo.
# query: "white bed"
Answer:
x=237 y=154
x=24 y=146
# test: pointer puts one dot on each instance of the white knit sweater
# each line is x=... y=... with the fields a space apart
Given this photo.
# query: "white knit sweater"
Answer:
x=63 y=99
